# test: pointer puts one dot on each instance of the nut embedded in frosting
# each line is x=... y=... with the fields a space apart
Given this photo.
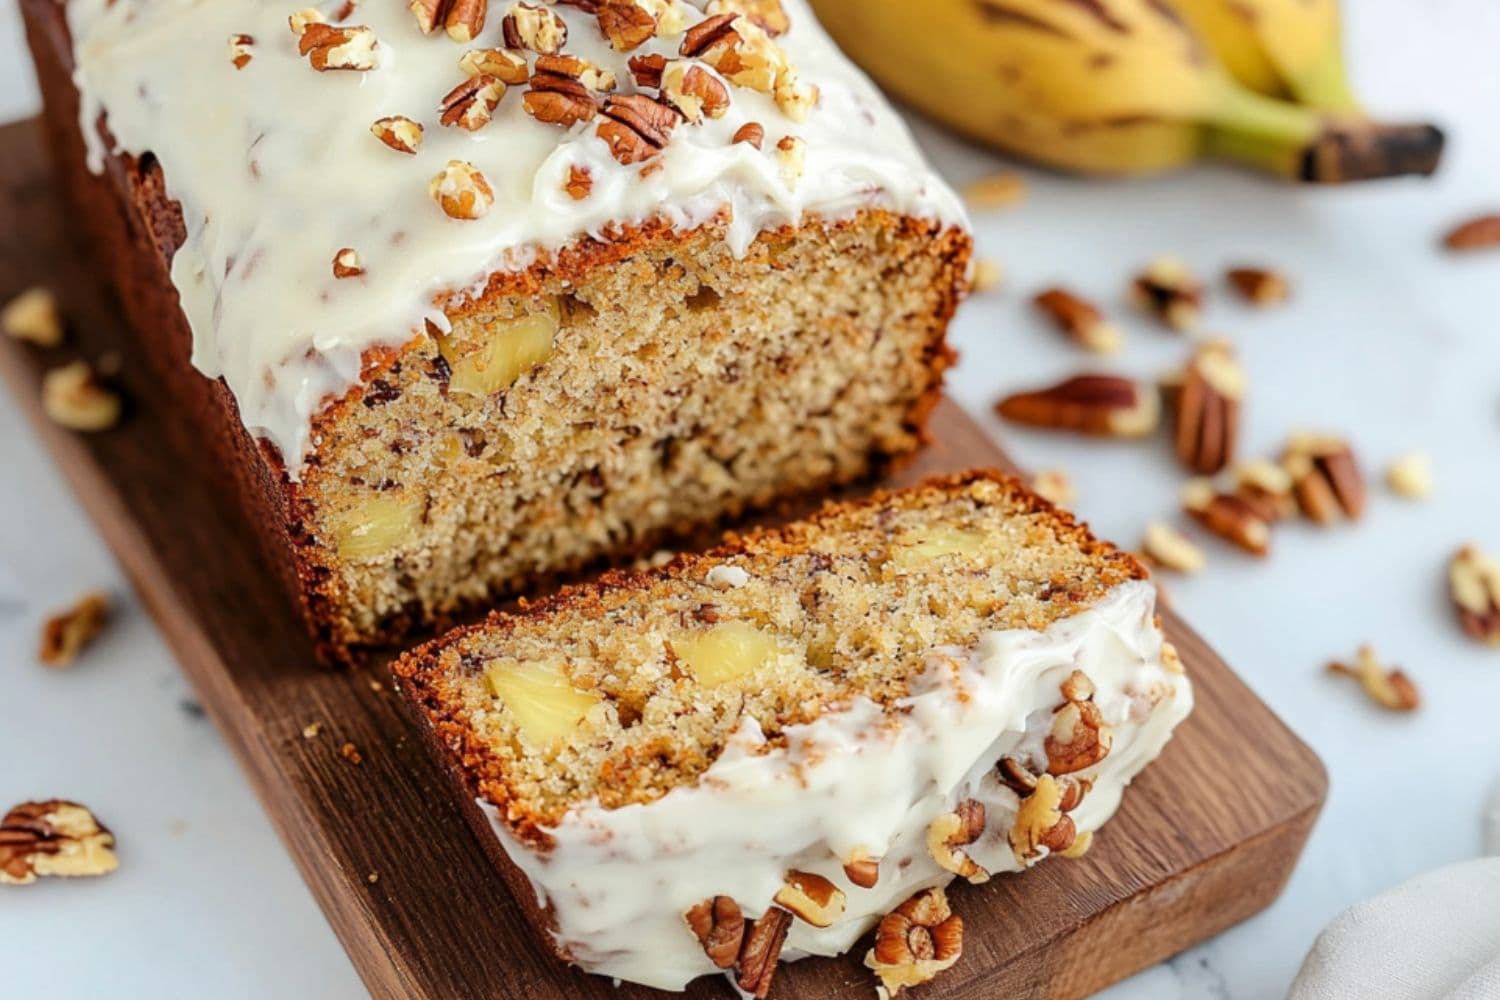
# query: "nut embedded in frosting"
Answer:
x=462 y=191
x=337 y=48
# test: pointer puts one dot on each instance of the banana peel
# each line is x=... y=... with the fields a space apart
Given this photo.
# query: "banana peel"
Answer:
x=1133 y=86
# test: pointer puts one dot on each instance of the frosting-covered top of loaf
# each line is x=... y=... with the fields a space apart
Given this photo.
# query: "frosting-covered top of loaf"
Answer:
x=343 y=172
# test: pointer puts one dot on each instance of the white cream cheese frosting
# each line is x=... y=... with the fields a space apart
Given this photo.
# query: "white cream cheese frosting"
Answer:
x=277 y=170
x=855 y=782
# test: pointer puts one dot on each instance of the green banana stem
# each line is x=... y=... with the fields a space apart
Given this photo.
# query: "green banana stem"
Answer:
x=1315 y=146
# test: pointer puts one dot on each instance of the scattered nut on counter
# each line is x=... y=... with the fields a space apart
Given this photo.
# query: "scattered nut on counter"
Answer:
x=1100 y=405
x=1267 y=488
x=1326 y=479
x=1227 y=515
x=1000 y=190
x=33 y=316
x=68 y=632
x=1388 y=687
x=1205 y=399
x=1168 y=290
x=1259 y=286
x=1410 y=476
x=1474 y=585
x=1080 y=319
x=1474 y=234
x=1171 y=549
x=55 y=837
x=987 y=275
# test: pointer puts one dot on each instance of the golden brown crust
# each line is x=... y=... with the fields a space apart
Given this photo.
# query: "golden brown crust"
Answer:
x=480 y=771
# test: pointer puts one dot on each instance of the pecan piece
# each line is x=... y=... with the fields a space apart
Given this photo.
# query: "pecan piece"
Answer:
x=1167 y=290
x=914 y=942
x=462 y=191
x=768 y=15
x=741 y=52
x=527 y=26
x=509 y=67
x=241 y=50
x=1041 y=822
x=950 y=832
x=762 y=949
x=752 y=132
x=430 y=14
x=637 y=127
x=398 y=132
x=53 y=838
x=1206 y=409
x=566 y=90
x=863 y=871
x=812 y=898
x=300 y=19
x=791 y=150
x=1325 y=478
x=693 y=90
x=647 y=70
x=465 y=19
x=719 y=926
x=1015 y=776
x=337 y=48
x=579 y=183
x=1259 y=286
x=795 y=97
x=1267 y=488
x=1475 y=234
x=1105 y=405
x=471 y=104
x=1079 y=737
x=1474 y=583
x=629 y=24
x=1166 y=546
x=1389 y=687
x=33 y=316
x=347 y=263
x=69 y=632
x=1227 y=515
x=75 y=398
x=1080 y=319
x=1410 y=476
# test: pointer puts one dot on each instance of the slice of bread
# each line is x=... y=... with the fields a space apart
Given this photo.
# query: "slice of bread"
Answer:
x=815 y=700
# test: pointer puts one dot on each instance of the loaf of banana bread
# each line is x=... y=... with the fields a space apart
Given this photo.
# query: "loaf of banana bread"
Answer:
x=781 y=740
x=492 y=292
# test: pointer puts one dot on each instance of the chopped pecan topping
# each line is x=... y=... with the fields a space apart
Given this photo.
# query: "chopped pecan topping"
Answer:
x=33 y=316
x=1227 y=515
x=1410 y=476
x=768 y=15
x=693 y=90
x=762 y=949
x=465 y=19
x=472 y=104
x=1165 y=545
x=1079 y=737
x=1267 y=488
x=1079 y=319
x=579 y=183
x=1325 y=478
x=53 y=838
x=741 y=52
x=1015 y=776
x=336 y=48
x=914 y=942
x=347 y=263
x=706 y=35
x=1053 y=486
x=719 y=926
x=398 y=132
x=791 y=150
x=863 y=871
x=1041 y=822
x=637 y=127
x=566 y=90
x=1076 y=687
x=69 y=632
x=629 y=24
x=647 y=70
x=1474 y=583
x=751 y=132
x=1106 y=405
x=949 y=833
x=300 y=19
x=430 y=14
x=509 y=67
x=1206 y=409
x=74 y=397
x=1167 y=290
x=812 y=898
x=240 y=50
x=527 y=26
x=462 y=191
x=1389 y=687
x=1259 y=286
x=1475 y=234
x=795 y=97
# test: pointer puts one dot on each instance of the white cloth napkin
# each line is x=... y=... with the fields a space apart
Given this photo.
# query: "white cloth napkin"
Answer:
x=1436 y=937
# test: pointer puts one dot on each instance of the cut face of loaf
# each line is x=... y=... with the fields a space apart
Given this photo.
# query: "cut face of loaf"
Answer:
x=954 y=679
x=628 y=394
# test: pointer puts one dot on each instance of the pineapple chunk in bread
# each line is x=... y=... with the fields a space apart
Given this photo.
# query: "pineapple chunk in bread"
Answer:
x=799 y=700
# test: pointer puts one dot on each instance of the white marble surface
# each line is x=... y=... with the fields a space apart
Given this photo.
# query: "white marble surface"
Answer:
x=1387 y=340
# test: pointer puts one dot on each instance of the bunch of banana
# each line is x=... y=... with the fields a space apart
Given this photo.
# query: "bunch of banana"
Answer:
x=1130 y=86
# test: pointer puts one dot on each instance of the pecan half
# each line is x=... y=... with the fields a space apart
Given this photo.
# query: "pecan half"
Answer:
x=1206 y=409
x=762 y=949
x=646 y=70
x=75 y=398
x=471 y=104
x=507 y=66
x=720 y=927
x=33 y=316
x=741 y=52
x=1104 y=405
x=1259 y=286
x=465 y=19
x=1041 y=822
x=566 y=90
x=914 y=942
x=1267 y=488
x=693 y=90
x=69 y=632
x=462 y=191
x=430 y=14
x=637 y=127
x=812 y=898
x=53 y=838
x=398 y=132
x=1080 y=319
x=752 y=132
x=768 y=15
x=1390 y=688
x=1474 y=583
x=863 y=871
x=1325 y=477
x=1015 y=776
x=1167 y=290
x=241 y=50
x=347 y=263
x=629 y=24
x=1227 y=515
x=1166 y=546
x=1475 y=234
x=1079 y=737
x=950 y=832
x=338 y=48
x=526 y=26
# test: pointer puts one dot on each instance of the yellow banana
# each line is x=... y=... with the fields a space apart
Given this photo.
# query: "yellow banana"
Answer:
x=1281 y=48
x=1103 y=86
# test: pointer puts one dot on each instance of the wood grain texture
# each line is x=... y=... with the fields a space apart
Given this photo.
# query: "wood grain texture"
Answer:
x=1206 y=837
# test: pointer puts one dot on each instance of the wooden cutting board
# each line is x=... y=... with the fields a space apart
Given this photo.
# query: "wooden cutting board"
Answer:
x=1207 y=835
